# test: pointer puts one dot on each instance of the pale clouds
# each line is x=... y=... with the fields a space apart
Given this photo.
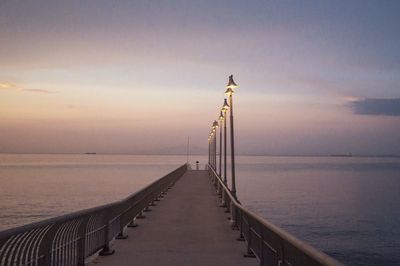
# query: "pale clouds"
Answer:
x=12 y=86
x=40 y=90
x=8 y=86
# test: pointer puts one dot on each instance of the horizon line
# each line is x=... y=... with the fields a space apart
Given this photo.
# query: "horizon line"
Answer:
x=198 y=154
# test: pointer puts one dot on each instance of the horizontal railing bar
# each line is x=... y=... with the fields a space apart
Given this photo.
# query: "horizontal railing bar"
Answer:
x=66 y=244
x=96 y=230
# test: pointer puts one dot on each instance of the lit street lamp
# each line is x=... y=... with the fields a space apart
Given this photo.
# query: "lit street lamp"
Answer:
x=229 y=92
x=209 y=148
x=212 y=148
x=225 y=108
x=221 y=119
x=214 y=128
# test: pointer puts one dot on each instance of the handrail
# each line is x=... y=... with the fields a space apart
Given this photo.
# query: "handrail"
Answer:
x=70 y=239
x=269 y=243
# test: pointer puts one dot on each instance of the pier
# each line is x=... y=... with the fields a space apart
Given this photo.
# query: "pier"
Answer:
x=188 y=217
x=187 y=227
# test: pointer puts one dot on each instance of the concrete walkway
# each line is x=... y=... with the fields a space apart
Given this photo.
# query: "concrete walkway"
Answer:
x=185 y=228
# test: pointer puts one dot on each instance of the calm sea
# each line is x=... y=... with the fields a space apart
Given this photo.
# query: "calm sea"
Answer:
x=347 y=207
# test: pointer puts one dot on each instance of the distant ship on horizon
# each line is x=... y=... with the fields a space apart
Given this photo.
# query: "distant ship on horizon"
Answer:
x=342 y=155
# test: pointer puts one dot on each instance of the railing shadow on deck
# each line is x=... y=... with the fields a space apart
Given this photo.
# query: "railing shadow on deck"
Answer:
x=71 y=238
x=269 y=243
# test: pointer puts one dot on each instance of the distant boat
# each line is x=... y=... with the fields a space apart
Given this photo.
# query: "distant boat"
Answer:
x=342 y=155
x=90 y=153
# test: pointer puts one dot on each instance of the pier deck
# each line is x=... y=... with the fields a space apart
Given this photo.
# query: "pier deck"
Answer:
x=185 y=228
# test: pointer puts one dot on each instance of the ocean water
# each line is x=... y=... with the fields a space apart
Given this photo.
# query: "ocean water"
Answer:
x=35 y=187
x=347 y=207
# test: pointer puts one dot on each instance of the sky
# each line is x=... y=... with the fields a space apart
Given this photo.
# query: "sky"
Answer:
x=315 y=77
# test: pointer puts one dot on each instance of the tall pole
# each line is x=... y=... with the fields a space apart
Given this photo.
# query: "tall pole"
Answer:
x=214 y=130
x=187 y=150
x=212 y=151
x=225 y=180
x=213 y=154
x=215 y=150
x=229 y=91
x=233 y=189
x=220 y=147
x=209 y=149
x=224 y=109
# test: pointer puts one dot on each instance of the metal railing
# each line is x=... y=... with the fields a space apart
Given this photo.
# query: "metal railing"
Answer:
x=71 y=238
x=270 y=244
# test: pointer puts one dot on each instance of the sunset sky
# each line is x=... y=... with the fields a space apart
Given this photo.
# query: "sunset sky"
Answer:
x=315 y=77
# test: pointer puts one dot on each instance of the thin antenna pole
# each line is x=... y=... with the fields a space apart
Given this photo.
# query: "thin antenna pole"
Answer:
x=187 y=150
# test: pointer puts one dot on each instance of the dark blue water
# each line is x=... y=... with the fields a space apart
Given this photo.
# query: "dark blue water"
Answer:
x=347 y=207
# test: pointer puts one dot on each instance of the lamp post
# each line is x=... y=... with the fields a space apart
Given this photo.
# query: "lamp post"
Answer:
x=212 y=149
x=221 y=119
x=229 y=92
x=215 y=126
x=209 y=148
x=225 y=108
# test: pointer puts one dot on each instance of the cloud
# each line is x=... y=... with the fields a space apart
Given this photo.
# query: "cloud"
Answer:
x=11 y=86
x=40 y=90
x=376 y=106
x=8 y=86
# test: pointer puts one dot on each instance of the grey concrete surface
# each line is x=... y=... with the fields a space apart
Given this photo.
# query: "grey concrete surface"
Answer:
x=187 y=227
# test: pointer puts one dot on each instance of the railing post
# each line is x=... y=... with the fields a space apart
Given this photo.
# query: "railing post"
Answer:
x=140 y=215
x=223 y=202
x=147 y=209
x=281 y=254
x=106 y=251
x=133 y=223
x=241 y=237
x=233 y=216
x=121 y=234
x=228 y=208
x=81 y=252
x=261 y=248
x=249 y=253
